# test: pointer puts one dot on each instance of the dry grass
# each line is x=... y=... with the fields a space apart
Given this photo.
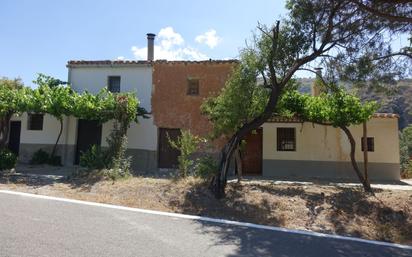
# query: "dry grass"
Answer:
x=345 y=211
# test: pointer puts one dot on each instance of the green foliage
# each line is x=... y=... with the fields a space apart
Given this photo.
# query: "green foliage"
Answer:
x=40 y=157
x=240 y=101
x=111 y=162
x=94 y=158
x=119 y=164
x=406 y=151
x=206 y=167
x=13 y=97
x=187 y=144
x=337 y=109
x=8 y=159
x=43 y=157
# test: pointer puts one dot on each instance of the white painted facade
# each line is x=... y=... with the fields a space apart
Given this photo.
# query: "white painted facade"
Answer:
x=135 y=78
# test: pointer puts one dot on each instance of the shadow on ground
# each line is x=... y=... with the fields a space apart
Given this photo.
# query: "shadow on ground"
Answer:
x=259 y=242
x=344 y=206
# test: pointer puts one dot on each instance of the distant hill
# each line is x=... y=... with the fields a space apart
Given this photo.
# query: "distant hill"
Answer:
x=399 y=102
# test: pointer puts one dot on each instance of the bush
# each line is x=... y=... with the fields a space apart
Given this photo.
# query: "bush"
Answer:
x=40 y=157
x=206 y=167
x=187 y=144
x=406 y=170
x=94 y=158
x=8 y=159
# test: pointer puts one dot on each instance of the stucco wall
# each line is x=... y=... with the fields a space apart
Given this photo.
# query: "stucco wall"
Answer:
x=324 y=143
x=142 y=135
x=137 y=78
x=172 y=107
x=49 y=133
x=324 y=151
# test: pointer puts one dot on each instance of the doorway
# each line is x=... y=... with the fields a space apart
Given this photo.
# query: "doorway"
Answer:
x=252 y=154
x=14 y=137
x=167 y=154
x=89 y=133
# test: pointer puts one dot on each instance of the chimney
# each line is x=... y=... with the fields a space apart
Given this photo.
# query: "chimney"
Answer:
x=150 y=46
x=316 y=87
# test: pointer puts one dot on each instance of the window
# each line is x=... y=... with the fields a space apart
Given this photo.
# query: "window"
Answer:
x=370 y=142
x=114 y=84
x=193 y=87
x=35 y=121
x=286 y=139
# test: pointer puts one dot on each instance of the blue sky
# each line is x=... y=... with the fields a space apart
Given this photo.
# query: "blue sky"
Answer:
x=42 y=35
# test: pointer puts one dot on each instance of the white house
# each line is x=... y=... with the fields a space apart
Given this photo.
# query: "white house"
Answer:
x=175 y=90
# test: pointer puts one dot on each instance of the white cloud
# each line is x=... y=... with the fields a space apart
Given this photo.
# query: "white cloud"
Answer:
x=210 y=38
x=120 y=58
x=171 y=46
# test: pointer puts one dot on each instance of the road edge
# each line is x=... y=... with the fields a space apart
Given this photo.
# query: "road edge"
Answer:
x=207 y=219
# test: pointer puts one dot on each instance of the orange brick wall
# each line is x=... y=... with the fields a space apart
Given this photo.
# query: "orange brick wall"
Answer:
x=172 y=107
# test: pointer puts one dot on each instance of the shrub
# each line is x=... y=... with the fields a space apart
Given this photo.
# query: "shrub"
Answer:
x=206 y=167
x=8 y=159
x=94 y=158
x=119 y=164
x=40 y=157
x=187 y=144
x=406 y=171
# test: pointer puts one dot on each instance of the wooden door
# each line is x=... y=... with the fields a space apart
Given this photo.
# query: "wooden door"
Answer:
x=89 y=133
x=167 y=154
x=14 y=137
x=252 y=154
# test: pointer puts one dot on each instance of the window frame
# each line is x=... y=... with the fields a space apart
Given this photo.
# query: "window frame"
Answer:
x=280 y=147
x=370 y=144
x=33 y=127
x=189 y=88
x=109 y=85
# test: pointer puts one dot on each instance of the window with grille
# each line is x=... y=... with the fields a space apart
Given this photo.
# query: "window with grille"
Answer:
x=286 y=139
x=35 y=121
x=370 y=142
x=193 y=87
x=114 y=84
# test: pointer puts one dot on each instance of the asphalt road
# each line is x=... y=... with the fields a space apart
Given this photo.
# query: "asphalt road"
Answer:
x=41 y=227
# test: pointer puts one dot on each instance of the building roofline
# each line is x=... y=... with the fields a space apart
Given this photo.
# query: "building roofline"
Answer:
x=282 y=119
x=210 y=61
x=127 y=63
x=106 y=63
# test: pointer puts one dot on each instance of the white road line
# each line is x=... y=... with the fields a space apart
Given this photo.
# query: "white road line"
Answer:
x=200 y=218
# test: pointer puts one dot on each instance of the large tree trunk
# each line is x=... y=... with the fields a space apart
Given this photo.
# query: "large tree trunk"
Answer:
x=4 y=130
x=58 y=138
x=365 y=183
x=218 y=183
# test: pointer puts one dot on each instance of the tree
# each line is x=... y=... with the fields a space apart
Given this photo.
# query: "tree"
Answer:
x=325 y=31
x=406 y=150
x=336 y=108
x=54 y=98
x=13 y=98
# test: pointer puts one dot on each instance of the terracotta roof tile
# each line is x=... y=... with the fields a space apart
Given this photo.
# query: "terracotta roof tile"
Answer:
x=198 y=62
x=105 y=62
x=133 y=62
x=281 y=119
x=386 y=115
